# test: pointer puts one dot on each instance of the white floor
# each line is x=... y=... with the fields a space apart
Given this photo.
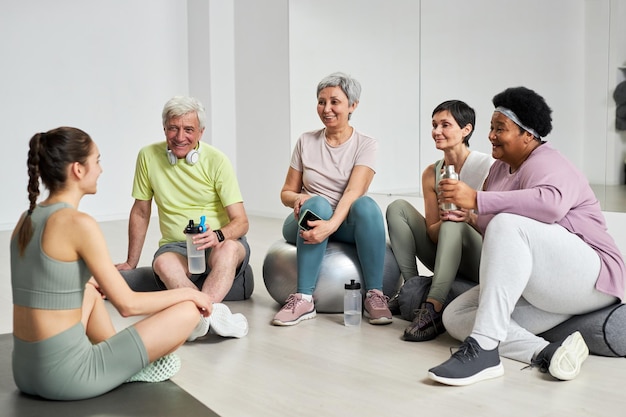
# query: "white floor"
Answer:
x=322 y=368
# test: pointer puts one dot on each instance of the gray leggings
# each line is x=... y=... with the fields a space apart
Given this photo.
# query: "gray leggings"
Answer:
x=456 y=253
x=68 y=366
x=533 y=276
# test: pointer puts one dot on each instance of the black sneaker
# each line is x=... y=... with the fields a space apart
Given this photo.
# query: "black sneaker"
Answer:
x=468 y=365
x=563 y=360
x=394 y=304
x=426 y=325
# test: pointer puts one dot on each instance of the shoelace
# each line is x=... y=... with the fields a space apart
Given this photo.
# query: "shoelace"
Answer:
x=542 y=363
x=378 y=301
x=292 y=303
x=543 y=359
x=466 y=352
x=422 y=317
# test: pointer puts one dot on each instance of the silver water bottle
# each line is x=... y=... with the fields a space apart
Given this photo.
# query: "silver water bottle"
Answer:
x=448 y=172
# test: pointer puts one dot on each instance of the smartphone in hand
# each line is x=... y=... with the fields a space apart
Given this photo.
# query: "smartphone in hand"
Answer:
x=305 y=217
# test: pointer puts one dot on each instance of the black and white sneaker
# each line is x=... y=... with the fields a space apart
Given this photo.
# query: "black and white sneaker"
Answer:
x=426 y=325
x=468 y=365
x=563 y=360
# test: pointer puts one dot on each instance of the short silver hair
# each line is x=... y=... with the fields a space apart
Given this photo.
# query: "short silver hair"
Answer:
x=350 y=87
x=181 y=105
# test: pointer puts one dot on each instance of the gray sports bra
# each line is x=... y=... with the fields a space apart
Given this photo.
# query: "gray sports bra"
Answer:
x=37 y=280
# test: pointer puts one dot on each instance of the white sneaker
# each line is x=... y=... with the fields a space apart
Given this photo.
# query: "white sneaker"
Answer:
x=202 y=328
x=568 y=358
x=227 y=324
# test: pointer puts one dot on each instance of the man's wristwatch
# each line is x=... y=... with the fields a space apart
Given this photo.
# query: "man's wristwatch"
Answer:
x=219 y=234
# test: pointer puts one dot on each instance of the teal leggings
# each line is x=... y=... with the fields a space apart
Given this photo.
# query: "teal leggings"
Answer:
x=456 y=253
x=364 y=227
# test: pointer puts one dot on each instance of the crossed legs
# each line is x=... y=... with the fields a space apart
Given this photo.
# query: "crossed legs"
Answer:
x=161 y=333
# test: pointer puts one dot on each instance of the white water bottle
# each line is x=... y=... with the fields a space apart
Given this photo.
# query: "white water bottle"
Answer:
x=352 y=304
x=195 y=258
x=448 y=172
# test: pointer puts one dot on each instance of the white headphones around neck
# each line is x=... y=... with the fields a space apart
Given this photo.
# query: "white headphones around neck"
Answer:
x=191 y=158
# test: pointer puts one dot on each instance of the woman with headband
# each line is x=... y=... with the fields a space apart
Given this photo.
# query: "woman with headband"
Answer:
x=546 y=253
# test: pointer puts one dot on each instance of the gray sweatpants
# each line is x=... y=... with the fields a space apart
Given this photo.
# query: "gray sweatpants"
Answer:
x=533 y=276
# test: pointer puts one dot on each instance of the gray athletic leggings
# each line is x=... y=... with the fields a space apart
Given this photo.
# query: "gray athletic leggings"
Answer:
x=456 y=253
x=533 y=276
x=68 y=366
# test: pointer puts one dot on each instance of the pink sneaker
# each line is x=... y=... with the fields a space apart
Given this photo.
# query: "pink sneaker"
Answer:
x=294 y=311
x=376 y=307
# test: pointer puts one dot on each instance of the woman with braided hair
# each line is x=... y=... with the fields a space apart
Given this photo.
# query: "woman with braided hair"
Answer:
x=65 y=345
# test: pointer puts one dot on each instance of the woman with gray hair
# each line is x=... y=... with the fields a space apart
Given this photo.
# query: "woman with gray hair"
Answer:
x=330 y=172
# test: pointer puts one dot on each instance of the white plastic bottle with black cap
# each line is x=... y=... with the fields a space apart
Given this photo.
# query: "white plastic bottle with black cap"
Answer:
x=195 y=258
x=352 y=304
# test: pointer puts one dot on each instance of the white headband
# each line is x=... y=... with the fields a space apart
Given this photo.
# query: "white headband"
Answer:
x=511 y=115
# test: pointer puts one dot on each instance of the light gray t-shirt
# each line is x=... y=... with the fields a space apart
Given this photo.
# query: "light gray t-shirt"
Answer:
x=326 y=169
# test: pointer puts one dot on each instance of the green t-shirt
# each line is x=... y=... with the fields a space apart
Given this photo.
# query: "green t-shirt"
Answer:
x=184 y=192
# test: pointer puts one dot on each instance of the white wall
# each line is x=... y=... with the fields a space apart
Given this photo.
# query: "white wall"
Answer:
x=108 y=67
x=474 y=50
x=377 y=42
x=262 y=102
x=412 y=55
x=211 y=70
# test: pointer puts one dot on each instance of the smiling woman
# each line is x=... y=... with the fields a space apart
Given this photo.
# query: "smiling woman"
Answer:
x=443 y=240
x=330 y=172
x=543 y=228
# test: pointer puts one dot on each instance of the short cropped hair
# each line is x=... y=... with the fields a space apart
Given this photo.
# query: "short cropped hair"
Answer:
x=461 y=112
x=350 y=87
x=181 y=105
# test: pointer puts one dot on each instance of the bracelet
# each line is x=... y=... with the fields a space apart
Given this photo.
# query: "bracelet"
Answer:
x=219 y=234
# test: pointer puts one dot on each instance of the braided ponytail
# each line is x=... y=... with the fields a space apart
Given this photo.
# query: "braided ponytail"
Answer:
x=25 y=231
x=48 y=157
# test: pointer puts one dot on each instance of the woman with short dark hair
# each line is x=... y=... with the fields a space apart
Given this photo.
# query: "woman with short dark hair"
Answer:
x=546 y=252
x=443 y=240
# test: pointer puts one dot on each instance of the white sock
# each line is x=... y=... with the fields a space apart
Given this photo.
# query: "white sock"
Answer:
x=307 y=297
x=201 y=329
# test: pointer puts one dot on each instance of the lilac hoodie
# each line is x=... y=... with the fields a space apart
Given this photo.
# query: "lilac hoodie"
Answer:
x=549 y=188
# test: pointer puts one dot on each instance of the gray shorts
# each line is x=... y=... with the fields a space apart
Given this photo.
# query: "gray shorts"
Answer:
x=198 y=279
x=68 y=366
